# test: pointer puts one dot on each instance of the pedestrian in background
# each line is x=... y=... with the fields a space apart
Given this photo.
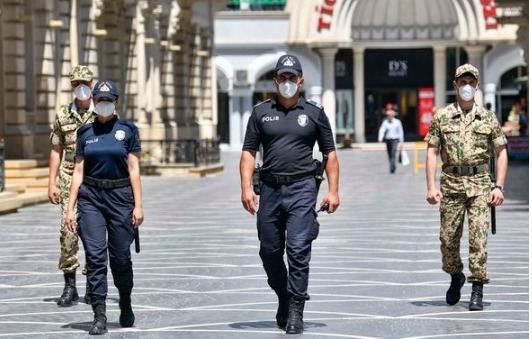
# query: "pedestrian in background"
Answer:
x=106 y=185
x=288 y=127
x=465 y=133
x=391 y=132
x=62 y=153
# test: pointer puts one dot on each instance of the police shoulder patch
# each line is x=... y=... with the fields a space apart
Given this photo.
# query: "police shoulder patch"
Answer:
x=262 y=102
x=314 y=103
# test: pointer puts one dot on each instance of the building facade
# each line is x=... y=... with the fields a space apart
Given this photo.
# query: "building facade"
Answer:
x=159 y=52
x=359 y=55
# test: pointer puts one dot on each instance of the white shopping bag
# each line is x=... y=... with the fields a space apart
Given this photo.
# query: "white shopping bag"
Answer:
x=403 y=158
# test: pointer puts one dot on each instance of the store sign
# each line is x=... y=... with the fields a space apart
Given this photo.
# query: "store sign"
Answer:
x=490 y=14
x=425 y=104
x=397 y=68
x=325 y=14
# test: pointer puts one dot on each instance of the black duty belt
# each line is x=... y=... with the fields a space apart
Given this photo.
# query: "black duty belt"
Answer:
x=106 y=183
x=465 y=169
x=285 y=179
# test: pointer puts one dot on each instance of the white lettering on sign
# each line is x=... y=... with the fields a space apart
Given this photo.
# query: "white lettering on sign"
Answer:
x=397 y=68
x=268 y=119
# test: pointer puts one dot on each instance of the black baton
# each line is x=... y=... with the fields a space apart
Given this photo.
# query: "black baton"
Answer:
x=493 y=180
x=137 y=241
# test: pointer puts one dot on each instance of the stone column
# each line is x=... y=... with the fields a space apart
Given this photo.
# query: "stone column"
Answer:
x=440 y=63
x=475 y=55
x=358 y=53
x=141 y=119
x=490 y=97
x=329 y=97
x=157 y=129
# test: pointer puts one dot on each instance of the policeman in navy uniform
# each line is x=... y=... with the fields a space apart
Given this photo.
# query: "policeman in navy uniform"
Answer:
x=106 y=185
x=288 y=127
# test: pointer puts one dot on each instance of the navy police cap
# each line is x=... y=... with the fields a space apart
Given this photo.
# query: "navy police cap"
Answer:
x=288 y=64
x=105 y=89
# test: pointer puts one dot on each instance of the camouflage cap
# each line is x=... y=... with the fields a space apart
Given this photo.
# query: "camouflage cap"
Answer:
x=80 y=72
x=466 y=68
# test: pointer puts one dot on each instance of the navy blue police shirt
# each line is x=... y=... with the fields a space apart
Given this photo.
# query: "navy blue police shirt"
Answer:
x=105 y=148
x=288 y=135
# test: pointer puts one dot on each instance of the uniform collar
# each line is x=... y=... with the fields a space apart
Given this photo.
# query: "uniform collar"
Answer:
x=475 y=110
x=300 y=103
x=75 y=109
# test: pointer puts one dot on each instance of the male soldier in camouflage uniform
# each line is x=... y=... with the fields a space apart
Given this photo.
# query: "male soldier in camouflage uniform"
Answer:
x=464 y=132
x=63 y=149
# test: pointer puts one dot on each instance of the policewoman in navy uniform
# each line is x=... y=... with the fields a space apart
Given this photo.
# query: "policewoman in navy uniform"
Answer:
x=106 y=186
x=288 y=127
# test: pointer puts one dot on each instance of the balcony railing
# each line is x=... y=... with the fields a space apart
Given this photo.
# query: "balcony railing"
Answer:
x=202 y=152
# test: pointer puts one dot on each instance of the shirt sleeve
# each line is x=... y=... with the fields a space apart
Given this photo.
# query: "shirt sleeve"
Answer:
x=80 y=144
x=498 y=138
x=381 y=131
x=56 y=136
x=433 y=137
x=325 y=136
x=253 y=135
x=133 y=142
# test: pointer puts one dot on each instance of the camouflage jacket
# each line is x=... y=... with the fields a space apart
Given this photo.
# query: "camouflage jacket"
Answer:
x=66 y=123
x=465 y=139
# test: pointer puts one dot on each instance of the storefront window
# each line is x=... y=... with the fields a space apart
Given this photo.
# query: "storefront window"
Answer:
x=456 y=56
x=256 y=5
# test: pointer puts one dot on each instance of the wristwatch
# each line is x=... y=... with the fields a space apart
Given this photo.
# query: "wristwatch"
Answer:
x=499 y=187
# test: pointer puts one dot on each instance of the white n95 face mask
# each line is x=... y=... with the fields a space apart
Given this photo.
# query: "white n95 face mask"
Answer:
x=287 y=89
x=104 y=108
x=82 y=92
x=467 y=92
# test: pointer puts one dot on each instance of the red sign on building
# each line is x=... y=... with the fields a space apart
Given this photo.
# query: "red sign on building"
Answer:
x=425 y=103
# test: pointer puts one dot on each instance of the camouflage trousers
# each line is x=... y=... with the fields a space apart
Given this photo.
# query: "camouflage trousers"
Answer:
x=68 y=259
x=452 y=212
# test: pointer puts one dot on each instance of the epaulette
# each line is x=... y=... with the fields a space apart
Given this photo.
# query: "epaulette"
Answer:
x=314 y=103
x=129 y=124
x=64 y=112
x=262 y=102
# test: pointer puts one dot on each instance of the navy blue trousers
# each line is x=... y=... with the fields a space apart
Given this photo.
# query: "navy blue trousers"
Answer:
x=104 y=223
x=287 y=218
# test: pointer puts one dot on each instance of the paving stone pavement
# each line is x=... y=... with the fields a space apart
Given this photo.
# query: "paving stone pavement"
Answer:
x=375 y=269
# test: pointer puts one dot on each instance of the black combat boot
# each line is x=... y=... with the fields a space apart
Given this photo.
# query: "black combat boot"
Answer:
x=453 y=293
x=282 y=309
x=70 y=293
x=295 y=315
x=476 y=297
x=87 y=296
x=99 y=325
x=127 y=318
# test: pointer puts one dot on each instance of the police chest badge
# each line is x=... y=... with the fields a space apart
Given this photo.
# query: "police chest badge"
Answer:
x=302 y=120
x=120 y=135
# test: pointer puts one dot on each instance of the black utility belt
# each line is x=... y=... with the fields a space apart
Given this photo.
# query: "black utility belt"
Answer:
x=465 y=169
x=106 y=183
x=285 y=179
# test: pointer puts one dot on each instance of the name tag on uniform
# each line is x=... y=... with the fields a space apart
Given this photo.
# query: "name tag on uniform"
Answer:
x=91 y=141
x=269 y=119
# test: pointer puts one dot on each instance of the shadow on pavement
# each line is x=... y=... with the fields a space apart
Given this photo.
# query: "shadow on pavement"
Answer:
x=269 y=324
x=86 y=325
x=442 y=303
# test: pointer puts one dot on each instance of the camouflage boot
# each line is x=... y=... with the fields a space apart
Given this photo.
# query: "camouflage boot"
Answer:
x=453 y=293
x=476 y=297
x=70 y=293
